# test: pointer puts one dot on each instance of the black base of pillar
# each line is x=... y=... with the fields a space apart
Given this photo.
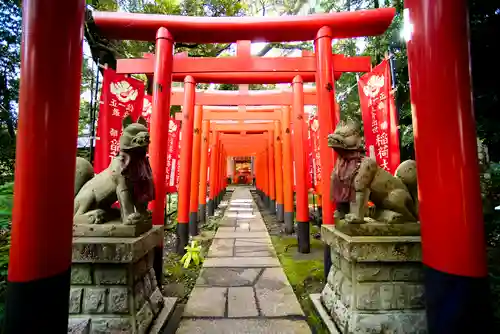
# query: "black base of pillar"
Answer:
x=202 y=213
x=210 y=208
x=456 y=304
x=327 y=260
x=193 y=223
x=267 y=200
x=272 y=206
x=280 y=212
x=288 y=218
x=182 y=238
x=23 y=313
x=158 y=265
x=303 y=237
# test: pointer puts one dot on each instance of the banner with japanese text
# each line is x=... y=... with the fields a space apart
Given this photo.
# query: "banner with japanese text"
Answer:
x=147 y=109
x=380 y=117
x=173 y=151
x=120 y=96
x=172 y=146
x=309 y=157
x=314 y=128
x=177 y=158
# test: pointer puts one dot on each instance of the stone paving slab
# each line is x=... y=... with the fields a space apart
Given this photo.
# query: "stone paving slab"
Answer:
x=243 y=326
x=254 y=251
x=226 y=277
x=252 y=242
x=206 y=302
x=241 y=302
x=242 y=287
x=242 y=235
x=275 y=295
x=241 y=262
x=221 y=247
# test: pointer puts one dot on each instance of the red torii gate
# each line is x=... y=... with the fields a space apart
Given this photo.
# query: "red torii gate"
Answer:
x=245 y=63
x=244 y=68
x=453 y=240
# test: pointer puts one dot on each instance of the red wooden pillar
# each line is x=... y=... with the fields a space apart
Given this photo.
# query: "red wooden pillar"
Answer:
x=205 y=142
x=300 y=135
x=185 y=167
x=265 y=165
x=160 y=119
x=453 y=242
x=217 y=175
x=40 y=254
x=195 y=171
x=213 y=172
x=328 y=118
x=278 y=167
x=287 y=171
x=272 y=179
x=325 y=90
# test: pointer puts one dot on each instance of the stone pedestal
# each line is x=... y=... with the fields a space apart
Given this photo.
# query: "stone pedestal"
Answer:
x=113 y=284
x=375 y=284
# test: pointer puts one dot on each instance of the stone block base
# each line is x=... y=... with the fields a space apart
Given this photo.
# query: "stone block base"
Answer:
x=113 y=284
x=111 y=229
x=375 y=284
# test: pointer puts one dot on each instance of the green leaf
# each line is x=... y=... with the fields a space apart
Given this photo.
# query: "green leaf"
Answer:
x=187 y=262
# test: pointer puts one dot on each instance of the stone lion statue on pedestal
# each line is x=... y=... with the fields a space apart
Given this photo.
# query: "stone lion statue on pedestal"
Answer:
x=356 y=179
x=128 y=180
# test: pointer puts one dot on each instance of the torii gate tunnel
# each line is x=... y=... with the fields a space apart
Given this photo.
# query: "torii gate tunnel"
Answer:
x=449 y=194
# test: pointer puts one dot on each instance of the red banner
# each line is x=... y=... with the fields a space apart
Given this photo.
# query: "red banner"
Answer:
x=380 y=117
x=314 y=128
x=120 y=96
x=147 y=109
x=309 y=157
x=174 y=130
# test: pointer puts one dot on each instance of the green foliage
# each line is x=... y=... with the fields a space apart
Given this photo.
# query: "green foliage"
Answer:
x=10 y=41
x=6 y=199
x=491 y=198
x=212 y=224
x=193 y=255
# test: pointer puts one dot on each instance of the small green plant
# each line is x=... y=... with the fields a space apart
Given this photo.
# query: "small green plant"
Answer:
x=193 y=255
x=211 y=225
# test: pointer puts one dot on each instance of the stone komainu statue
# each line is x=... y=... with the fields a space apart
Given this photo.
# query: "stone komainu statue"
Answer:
x=357 y=178
x=128 y=179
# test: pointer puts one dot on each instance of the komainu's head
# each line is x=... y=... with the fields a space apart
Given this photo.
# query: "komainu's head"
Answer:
x=346 y=137
x=135 y=135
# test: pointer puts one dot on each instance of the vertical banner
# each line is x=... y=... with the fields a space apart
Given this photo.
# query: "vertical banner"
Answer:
x=120 y=96
x=309 y=164
x=173 y=150
x=314 y=126
x=147 y=109
x=380 y=117
x=177 y=158
x=174 y=130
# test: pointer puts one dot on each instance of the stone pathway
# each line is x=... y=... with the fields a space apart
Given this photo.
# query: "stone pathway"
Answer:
x=242 y=287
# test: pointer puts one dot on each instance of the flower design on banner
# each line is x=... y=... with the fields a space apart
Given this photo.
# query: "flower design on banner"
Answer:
x=373 y=85
x=172 y=127
x=147 y=108
x=315 y=125
x=124 y=91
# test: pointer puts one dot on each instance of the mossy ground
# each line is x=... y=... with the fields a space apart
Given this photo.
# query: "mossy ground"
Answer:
x=305 y=274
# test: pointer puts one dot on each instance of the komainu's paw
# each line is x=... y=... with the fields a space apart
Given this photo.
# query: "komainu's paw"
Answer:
x=96 y=217
x=351 y=218
x=133 y=219
x=338 y=214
